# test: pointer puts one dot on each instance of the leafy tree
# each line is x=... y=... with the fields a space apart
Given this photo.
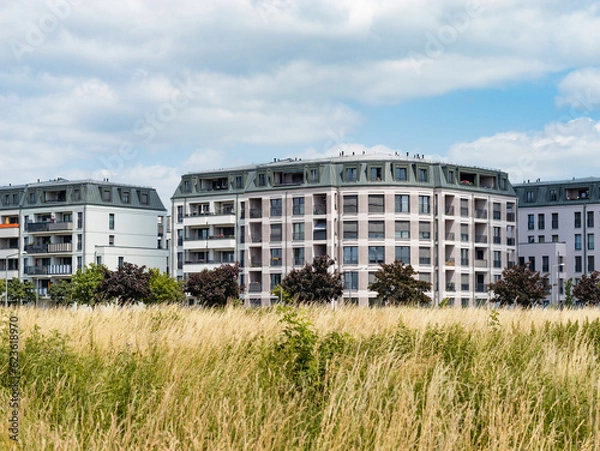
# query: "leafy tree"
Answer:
x=129 y=283
x=164 y=288
x=61 y=292
x=314 y=282
x=587 y=290
x=522 y=286
x=21 y=291
x=395 y=284
x=86 y=283
x=569 y=296
x=214 y=287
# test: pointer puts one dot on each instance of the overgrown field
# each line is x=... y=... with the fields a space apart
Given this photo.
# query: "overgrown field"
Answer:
x=169 y=378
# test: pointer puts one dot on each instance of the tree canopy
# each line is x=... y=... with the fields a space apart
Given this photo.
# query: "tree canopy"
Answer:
x=395 y=284
x=128 y=284
x=314 y=282
x=587 y=290
x=214 y=287
x=522 y=286
x=86 y=282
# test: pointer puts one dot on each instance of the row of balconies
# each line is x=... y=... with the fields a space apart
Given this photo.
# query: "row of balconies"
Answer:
x=49 y=248
x=33 y=227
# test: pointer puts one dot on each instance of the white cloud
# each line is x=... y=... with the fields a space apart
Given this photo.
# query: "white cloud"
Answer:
x=559 y=151
x=580 y=90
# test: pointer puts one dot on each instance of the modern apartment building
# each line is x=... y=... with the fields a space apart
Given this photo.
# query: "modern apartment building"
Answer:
x=557 y=224
x=455 y=224
x=50 y=229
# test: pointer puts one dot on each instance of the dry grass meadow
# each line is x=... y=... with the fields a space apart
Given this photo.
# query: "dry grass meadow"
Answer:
x=169 y=378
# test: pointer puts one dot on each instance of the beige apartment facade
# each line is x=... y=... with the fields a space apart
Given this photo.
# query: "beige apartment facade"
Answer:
x=454 y=224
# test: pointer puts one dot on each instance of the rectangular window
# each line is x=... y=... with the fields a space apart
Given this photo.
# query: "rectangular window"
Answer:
x=497 y=215
x=350 y=230
x=464 y=257
x=79 y=242
x=530 y=197
x=275 y=280
x=450 y=176
x=497 y=259
x=77 y=194
x=238 y=182
x=314 y=176
x=80 y=262
x=577 y=242
x=376 y=203
x=530 y=222
x=350 y=255
x=350 y=204
x=545 y=263
x=402 y=203
x=402 y=231
x=555 y=220
x=424 y=207
x=541 y=238
x=553 y=195
x=106 y=195
x=422 y=174
x=276 y=208
x=111 y=240
x=403 y=254
x=262 y=180
x=121 y=261
x=464 y=208
x=590 y=219
x=541 y=221
x=111 y=221
x=590 y=241
x=351 y=280
x=424 y=256
x=555 y=238
x=298 y=254
x=351 y=174
x=376 y=254
x=144 y=199
x=376 y=230
x=497 y=235
x=276 y=257
x=577 y=220
x=532 y=263
x=578 y=263
x=126 y=197
x=276 y=233
x=591 y=263
x=32 y=198
x=298 y=231
x=424 y=230
x=464 y=233
x=79 y=220
x=401 y=174
x=298 y=206
x=187 y=186
x=375 y=174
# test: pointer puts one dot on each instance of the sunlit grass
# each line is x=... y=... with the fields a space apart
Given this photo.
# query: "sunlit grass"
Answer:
x=387 y=379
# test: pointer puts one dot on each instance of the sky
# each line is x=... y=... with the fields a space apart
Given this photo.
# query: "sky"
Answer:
x=141 y=92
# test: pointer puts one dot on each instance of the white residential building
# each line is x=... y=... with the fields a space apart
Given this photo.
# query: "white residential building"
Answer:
x=50 y=229
x=557 y=223
x=454 y=224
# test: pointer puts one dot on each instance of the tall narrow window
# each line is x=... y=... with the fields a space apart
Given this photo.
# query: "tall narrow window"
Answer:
x=424 y=207
x=111 y=221
x=402 y=203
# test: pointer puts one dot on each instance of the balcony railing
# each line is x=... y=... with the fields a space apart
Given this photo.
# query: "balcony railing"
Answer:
x=450 y=262
x=510 y=217
x=299 y=236
x=320 y=209
x=450 y=237
x=48 y=248
x=48 y=270
x=9 y=226
x=320 y=235
x=255 y=213
x=255 y=287
x=510 y=241
x=480 y=238
x=497 y=240
x=48 y=226
x=481 y=263
x=424 y=260
x=480 y=288
x=481 y=213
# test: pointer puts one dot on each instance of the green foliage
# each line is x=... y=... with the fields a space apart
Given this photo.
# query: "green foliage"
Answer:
x=20 y=292
x=282 y=295
x=164 y=288
x=214 y=288
x=128 y=284
x=519 y=285
x=61 y=292
x=395 y=284
x=569 y=297
x=314 y=282
x=587 y=290
x=86 y=283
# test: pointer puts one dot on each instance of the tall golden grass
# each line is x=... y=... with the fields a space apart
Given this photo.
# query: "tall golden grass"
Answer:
x=170 y=378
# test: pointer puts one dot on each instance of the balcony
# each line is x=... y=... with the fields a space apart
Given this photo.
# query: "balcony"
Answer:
x=49 y=248
x=450 y=262
x=319 y=235
x=449 y=211
x=450 y=287
x=255 y=213
x=481 y=213
x=481 y=239
x=450 y=237
x=480 y=288
x=9 y=226
x=48 y=226
x=48 y=270
x=255 y=287
x=320 y=209
x=480 y=263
